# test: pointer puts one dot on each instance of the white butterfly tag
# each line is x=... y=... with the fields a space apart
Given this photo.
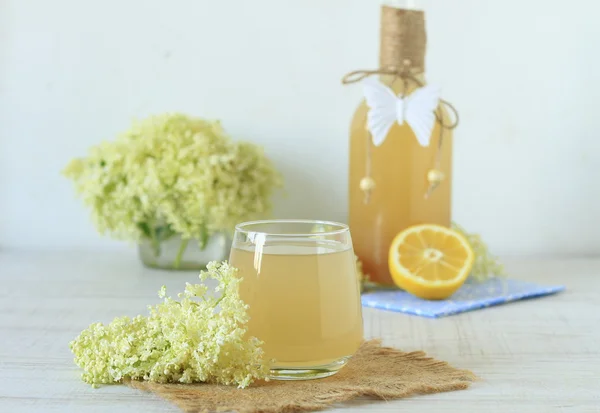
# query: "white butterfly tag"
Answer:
x=385 y=108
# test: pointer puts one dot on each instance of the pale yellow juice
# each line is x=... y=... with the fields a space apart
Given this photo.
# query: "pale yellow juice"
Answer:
x=399 y=168
x=304 y=300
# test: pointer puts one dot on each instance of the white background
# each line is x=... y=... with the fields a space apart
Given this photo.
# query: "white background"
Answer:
x=525 y=75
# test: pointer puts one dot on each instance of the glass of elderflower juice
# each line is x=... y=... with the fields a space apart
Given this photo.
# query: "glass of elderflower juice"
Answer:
x=300 y=282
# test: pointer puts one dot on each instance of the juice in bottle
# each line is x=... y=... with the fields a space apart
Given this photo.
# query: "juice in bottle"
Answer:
x=400 y=166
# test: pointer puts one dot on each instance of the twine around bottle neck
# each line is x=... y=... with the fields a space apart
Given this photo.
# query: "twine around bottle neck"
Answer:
x=402 y=38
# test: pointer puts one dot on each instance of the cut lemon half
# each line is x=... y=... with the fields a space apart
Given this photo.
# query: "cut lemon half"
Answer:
x=430 y=261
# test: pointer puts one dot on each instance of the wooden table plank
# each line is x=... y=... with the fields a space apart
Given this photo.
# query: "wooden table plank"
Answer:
x=533 y=356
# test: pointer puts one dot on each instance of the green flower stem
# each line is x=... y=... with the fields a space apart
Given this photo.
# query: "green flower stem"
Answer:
x=182 y=247
x=154 y=242
x=203 y=241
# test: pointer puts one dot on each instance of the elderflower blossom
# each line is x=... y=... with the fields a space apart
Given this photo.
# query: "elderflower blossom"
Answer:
x=173 y=170
x=485 y=265
x=201 y=338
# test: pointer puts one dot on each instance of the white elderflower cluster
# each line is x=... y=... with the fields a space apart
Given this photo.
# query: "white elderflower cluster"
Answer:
x=485 y=264
x=173 y=174
x=199 y=338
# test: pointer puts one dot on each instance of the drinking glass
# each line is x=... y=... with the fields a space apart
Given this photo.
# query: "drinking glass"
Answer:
x=301 y=285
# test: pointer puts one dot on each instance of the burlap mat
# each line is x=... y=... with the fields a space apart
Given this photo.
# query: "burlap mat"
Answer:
x=374 y=371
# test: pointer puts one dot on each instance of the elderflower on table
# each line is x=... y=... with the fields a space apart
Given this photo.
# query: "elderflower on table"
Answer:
x=485 y=264
x=201 y=338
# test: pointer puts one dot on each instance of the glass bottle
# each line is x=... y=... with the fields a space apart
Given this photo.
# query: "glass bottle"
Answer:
x=400 y=168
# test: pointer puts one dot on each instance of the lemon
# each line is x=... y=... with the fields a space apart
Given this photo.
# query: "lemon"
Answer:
x=430 y=261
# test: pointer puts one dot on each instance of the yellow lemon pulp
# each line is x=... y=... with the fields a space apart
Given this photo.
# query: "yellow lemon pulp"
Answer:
x=430 y=261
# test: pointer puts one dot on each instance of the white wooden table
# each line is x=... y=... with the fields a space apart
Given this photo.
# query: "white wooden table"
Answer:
x=539 y=355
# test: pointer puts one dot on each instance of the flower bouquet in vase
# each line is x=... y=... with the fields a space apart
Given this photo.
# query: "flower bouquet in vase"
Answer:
x=175 y=185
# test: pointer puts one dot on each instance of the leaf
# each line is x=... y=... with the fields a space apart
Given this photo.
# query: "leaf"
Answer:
x=145 y=228
x=164 y=232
